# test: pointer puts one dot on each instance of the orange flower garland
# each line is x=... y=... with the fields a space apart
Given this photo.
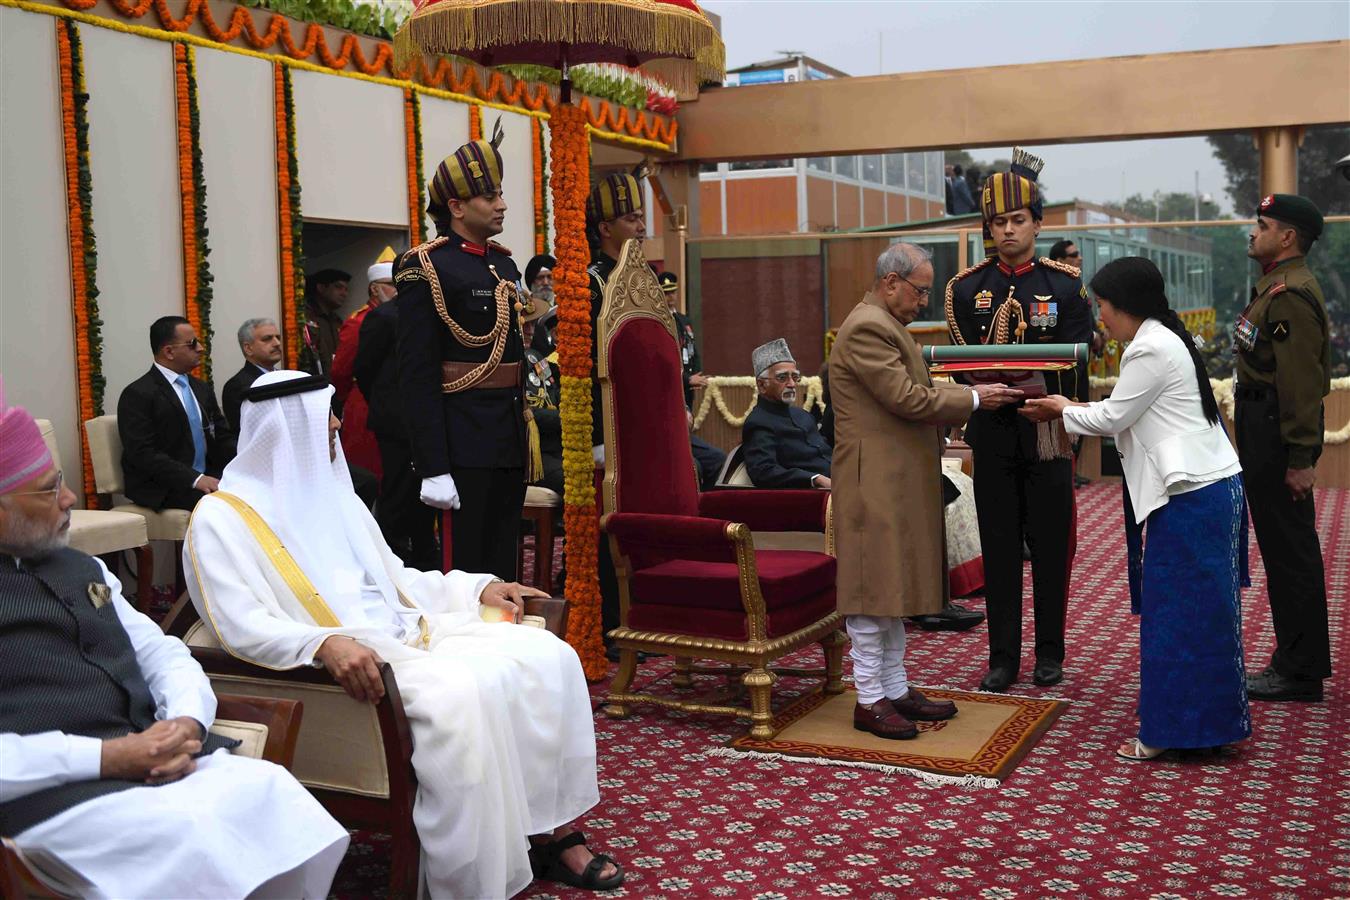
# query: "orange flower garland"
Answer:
x=540 y=200
x=638 y=123
x=412 y=152
x=570 y=148
x=80 y=231
x=288 y=225
x=192 y=194
x=475 y=122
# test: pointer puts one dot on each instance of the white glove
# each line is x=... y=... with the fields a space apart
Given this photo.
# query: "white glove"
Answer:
x=440 y=492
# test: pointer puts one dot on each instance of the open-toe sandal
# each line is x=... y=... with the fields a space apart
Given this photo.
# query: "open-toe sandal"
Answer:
x=546 y=861
x=1137 y=751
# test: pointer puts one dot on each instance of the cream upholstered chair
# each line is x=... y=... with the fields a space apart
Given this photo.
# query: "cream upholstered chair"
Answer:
x=266 y=729
x=99 y=532
x=105 y=451
x=541 y=504
x=355 y=758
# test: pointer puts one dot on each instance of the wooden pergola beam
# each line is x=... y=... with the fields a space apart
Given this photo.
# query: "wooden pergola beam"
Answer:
x=1119 y=98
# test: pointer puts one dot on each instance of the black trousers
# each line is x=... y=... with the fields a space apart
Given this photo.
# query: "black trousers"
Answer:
x=408 y=524
x=1286 y=532
x=1018 y=496
x=484 y=533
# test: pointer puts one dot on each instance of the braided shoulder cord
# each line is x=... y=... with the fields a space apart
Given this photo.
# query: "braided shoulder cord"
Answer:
x=502 y=296
x=998 y=334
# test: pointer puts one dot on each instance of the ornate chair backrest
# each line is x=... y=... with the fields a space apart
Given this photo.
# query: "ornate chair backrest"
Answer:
x=649 y=467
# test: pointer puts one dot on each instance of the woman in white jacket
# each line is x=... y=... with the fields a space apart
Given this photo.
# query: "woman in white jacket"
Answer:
x=1184 y=483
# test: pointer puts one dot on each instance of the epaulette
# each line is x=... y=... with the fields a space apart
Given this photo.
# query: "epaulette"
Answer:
x=1062 y=267
x=493 y=245
x=982 y=264
x=1278 y=287
x=408 y=267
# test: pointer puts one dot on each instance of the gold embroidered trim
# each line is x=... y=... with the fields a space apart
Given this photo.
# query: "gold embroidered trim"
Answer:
x=280 y=557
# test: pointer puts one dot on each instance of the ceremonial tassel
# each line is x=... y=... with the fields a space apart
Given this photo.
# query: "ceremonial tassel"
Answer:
x=534 y=459
x=1052 y=441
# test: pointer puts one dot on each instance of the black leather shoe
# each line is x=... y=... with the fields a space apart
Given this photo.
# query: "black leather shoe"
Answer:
x=1048 y=673
x=953 y=617
x=1271 y=685
x=998 y=680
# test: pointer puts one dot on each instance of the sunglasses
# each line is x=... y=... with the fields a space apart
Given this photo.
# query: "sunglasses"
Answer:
x=195 y=344
x=1073 y=255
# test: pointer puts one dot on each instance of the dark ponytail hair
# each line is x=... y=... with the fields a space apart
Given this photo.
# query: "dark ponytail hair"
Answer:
x=1133 y=285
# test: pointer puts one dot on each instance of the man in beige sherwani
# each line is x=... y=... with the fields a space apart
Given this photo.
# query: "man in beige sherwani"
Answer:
x=887 y=488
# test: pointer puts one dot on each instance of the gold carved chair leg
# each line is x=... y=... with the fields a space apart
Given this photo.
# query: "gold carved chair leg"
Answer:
x=684 y=668
x=833 y=645
x=623 y=680
x=758 y=682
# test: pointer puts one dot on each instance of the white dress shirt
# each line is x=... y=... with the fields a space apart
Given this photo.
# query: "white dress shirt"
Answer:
x=1166 y=444
x=34 y=762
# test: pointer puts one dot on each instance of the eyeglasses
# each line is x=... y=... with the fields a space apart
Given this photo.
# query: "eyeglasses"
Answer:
x=782 y=377
x=195 y=344
x=923 y=292
x=1074 y=255
x=60 y=482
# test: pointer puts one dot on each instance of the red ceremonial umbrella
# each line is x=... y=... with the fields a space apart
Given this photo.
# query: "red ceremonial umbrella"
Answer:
x=671 y=38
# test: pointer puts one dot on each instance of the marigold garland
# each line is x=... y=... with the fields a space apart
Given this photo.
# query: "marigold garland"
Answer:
x=459 y=77
x=412 y=131
x=475 y=122
x=289 y=227
x=197 y=277
x=570 y=148
x=537 y=153
x=83 y=250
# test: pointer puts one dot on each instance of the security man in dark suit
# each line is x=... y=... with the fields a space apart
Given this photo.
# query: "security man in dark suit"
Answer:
x=1023 y=471
x=1283 y=372
x=175 y=440
x=780 y=442
x=260 y=342
x=459 y=365
x=408 y=524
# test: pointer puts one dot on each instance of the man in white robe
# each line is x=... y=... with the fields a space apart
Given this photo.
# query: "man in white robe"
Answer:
x=103 y=719
x=290 y=569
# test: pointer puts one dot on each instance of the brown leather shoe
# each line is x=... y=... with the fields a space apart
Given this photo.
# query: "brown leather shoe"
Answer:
x=882 y=720
x=919 y=708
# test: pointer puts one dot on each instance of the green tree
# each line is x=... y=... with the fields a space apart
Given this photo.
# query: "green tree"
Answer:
x=1173 y=206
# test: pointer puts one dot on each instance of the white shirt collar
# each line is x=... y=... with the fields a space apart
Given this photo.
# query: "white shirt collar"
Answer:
x=170 y=374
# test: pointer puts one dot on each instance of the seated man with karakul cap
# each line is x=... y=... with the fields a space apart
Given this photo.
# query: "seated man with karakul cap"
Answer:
x=291 y=570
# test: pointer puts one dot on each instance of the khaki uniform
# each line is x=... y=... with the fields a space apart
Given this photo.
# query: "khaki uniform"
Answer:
x=1283 y=354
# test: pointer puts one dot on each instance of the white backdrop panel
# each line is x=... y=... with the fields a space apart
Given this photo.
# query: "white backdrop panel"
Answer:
x=445 y=126
x=517 y=183
x=234 y=94
x=37 y=343
x=133 y=159
x=350 y=147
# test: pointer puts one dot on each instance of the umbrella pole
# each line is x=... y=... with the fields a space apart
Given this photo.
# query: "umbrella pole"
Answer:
x=565 y=87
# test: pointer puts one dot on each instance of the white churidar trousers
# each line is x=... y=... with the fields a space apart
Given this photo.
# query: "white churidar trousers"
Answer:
x=878 y=657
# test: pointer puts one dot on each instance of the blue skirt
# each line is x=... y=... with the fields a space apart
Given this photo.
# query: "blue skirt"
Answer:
x=1187 y=568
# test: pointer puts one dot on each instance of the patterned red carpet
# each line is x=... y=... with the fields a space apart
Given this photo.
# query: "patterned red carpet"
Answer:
x=1269 y=820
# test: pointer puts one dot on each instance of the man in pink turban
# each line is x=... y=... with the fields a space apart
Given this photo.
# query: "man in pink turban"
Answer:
x=106 y=764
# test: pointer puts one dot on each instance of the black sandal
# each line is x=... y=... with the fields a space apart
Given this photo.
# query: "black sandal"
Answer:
x=546 y=862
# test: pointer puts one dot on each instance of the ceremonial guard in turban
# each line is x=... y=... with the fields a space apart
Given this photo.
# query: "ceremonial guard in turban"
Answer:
x=1283 y=371
x=460 y=352
x=613 y=215
x=1023 y=471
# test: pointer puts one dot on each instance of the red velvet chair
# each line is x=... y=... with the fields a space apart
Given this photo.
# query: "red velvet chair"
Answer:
x=691 y=582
